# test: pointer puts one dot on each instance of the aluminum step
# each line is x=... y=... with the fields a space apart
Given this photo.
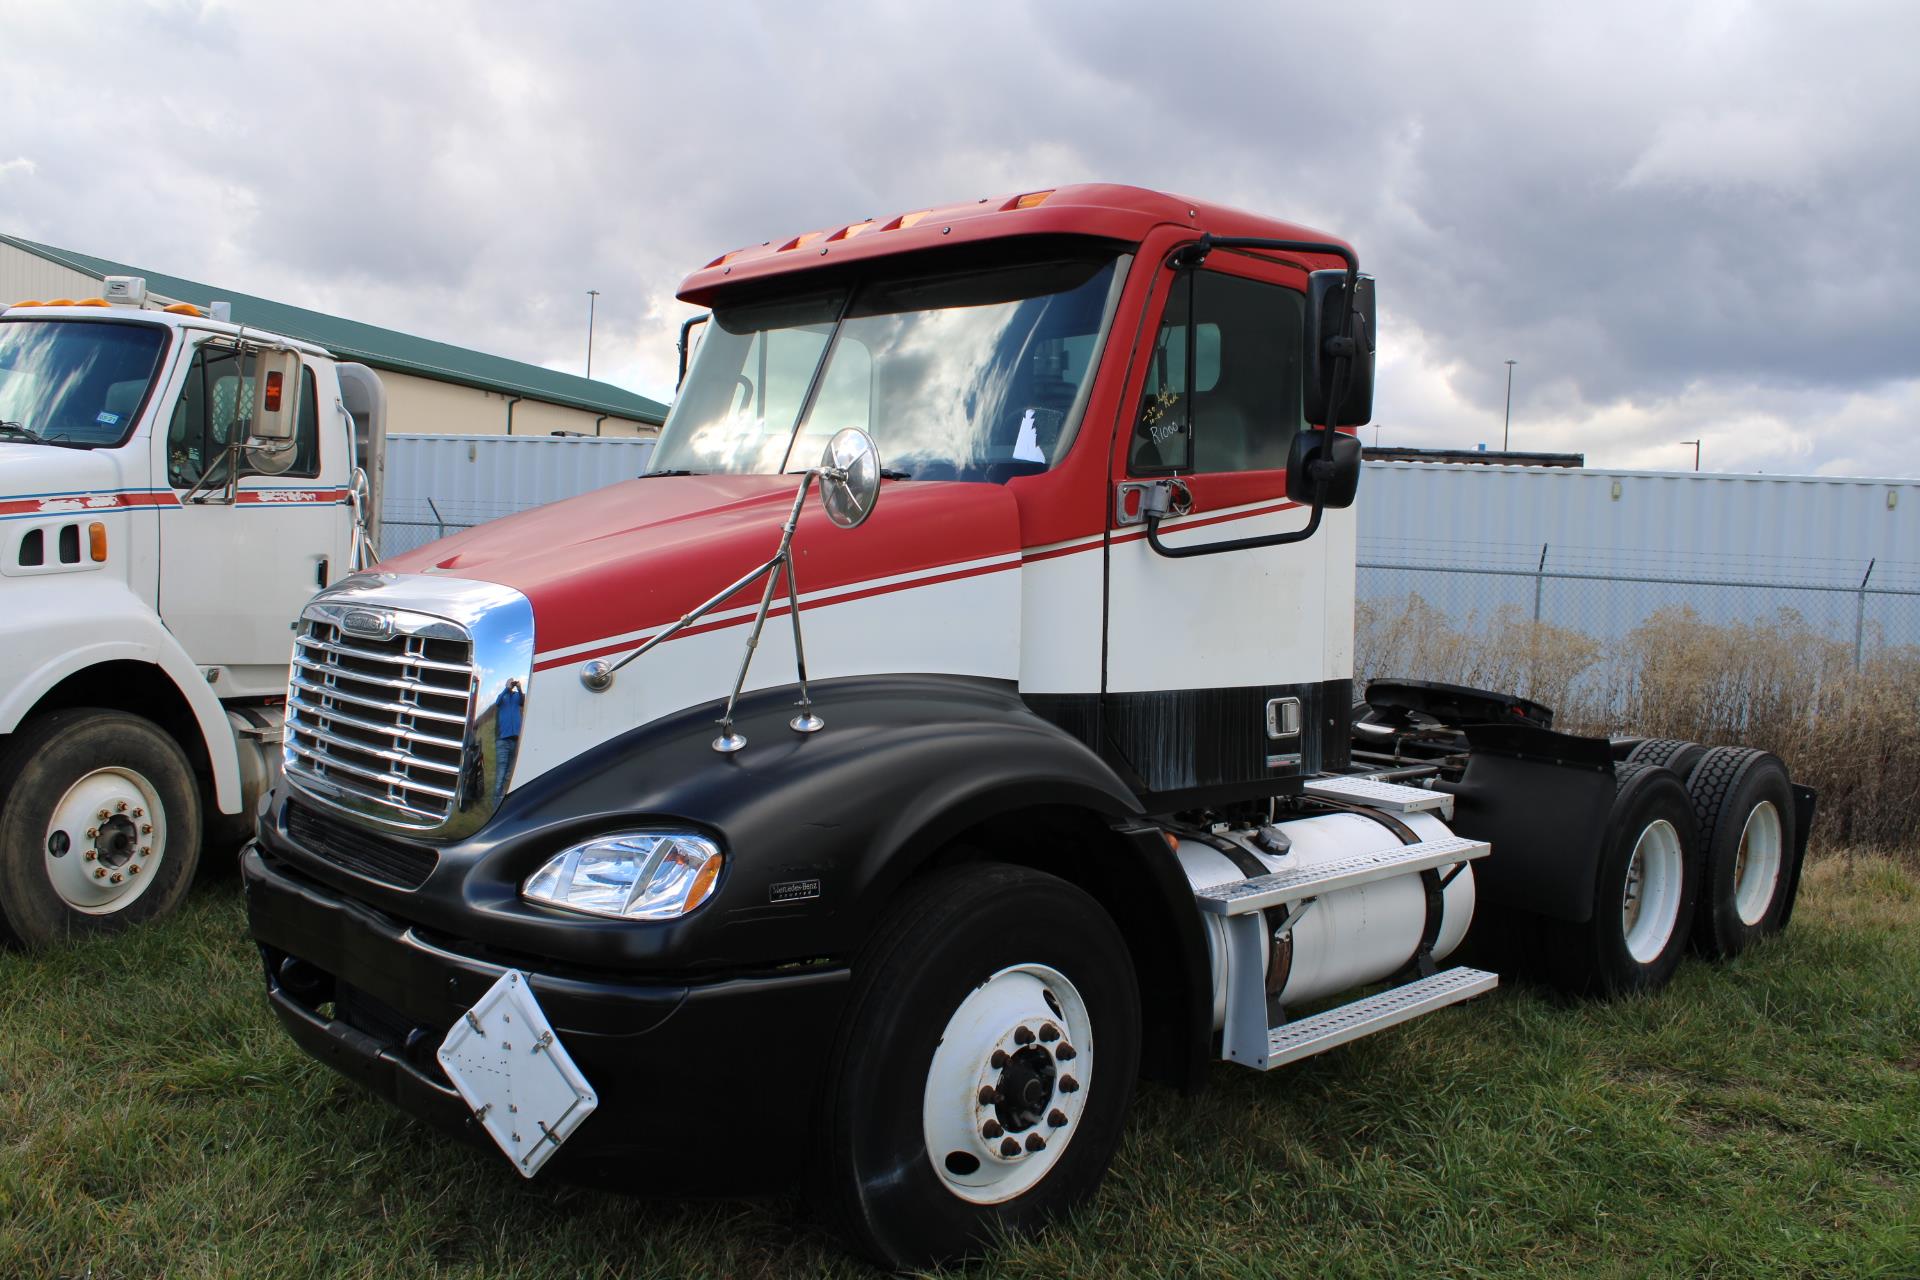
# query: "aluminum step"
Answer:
x=1292 y=1041
x=1388 y=796
x=1240 y=897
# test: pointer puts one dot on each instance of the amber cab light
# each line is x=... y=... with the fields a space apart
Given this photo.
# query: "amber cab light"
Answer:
x=97 y=542
x=1031 y=200
x=273 y=393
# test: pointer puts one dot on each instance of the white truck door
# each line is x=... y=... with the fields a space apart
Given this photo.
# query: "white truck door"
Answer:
x=1220 y=671
x=234 y=576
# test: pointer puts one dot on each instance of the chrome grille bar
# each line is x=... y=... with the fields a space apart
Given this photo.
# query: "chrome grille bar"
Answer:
x=380 y=724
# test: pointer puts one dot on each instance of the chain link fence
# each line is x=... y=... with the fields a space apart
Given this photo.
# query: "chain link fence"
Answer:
x=415 y=524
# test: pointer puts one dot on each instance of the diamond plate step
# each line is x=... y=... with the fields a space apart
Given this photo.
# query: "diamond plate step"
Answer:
x=1242 y=896
x=1388 y=796
x=1292 y=1041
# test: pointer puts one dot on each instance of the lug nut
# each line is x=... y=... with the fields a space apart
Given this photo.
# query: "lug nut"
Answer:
x=1057 y=1118
x=987 y=1095
x=115 y=878
x=145 y=850
x=1065 y=1052
x=1049 y=1033
x=1069 y=1085
x=121 y=806
x=138 y=812
x=99 y=873
x=1022 y=1035
x=92 y=854
x=146 y=828
x=1009 y=1148
x=134 y=869
x=991 y=1129
x=104 y=815
x=1036 y=1143
x=92 y=832
x=999 y=1059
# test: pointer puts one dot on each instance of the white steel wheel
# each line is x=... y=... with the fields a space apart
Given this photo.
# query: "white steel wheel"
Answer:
x=1007 y=1083
x=106 y=840
x=1655 y=888
x=1756 y=867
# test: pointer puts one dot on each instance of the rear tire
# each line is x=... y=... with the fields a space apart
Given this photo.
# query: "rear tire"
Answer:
x=1672 y=752
x=983 y=977
x=1743 y=801
x=1643 y=894
x=67 y=871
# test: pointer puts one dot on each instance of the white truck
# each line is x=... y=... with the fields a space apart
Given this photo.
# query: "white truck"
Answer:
x=173 y=487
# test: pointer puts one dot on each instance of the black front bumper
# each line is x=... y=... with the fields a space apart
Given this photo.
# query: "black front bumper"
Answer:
x=705 y=1088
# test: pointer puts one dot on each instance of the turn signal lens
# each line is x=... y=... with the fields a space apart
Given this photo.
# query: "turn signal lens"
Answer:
x=273 y=393
x=30 y=302
x=906 y=220
x=93 y=302
x=183 y=309
x=644 y=875
x=97 y=542
x=59 y=302
x=1033 y=199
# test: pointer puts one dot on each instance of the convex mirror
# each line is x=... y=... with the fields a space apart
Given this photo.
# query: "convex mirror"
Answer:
x=850 y=477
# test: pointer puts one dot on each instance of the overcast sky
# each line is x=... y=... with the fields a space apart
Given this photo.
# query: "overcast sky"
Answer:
x=1700 y=225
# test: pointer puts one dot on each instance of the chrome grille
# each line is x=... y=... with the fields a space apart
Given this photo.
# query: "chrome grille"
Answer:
x=381 y=724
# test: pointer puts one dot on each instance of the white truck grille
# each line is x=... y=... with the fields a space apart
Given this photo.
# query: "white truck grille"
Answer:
x=380 y=724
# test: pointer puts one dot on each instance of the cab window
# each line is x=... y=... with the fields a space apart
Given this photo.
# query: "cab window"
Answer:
x=1242 y=405
x=218 y=394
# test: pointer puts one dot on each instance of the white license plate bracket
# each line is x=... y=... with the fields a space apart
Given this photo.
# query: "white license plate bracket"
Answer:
x=510 y=1067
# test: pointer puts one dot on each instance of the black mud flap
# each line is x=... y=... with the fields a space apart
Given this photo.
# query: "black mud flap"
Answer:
x=1541 y=800
x=1805 y=800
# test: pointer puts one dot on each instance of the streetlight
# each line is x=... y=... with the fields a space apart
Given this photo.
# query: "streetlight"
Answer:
x=1696 y=452
x=593 y=296
x=1506 y=430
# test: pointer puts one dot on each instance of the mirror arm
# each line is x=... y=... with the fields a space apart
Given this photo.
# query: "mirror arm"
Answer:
x=686 y=332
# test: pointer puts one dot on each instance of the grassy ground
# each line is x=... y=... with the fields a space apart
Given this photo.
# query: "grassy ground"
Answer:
x=1758 y=1118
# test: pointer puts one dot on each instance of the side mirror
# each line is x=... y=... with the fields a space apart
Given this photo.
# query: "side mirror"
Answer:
x=1323 y=468
x=850 y=477
x=1326 y=309
x=276 y=395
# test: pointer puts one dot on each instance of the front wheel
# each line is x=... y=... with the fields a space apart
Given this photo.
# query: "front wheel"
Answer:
x=99 y=825
x=983 y=1072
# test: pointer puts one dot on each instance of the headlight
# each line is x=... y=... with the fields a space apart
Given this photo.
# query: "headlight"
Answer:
x=641 y=875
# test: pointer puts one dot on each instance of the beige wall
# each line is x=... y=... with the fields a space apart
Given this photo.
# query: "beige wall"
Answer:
x=423 y=406
x=26 y=278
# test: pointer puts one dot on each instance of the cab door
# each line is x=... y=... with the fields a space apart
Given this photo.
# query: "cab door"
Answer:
x=235 y=574
x=1224 y=670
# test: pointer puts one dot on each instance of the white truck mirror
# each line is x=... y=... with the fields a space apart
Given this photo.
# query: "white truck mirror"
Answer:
x=276 y=395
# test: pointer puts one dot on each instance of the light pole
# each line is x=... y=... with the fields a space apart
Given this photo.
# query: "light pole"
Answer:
x=593 y=296
x=1696 y=452
x=1507 y=429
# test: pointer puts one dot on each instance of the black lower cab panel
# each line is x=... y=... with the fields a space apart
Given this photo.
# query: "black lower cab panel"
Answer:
x=706 y=1088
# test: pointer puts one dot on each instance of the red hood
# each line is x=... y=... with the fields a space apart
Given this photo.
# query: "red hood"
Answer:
x=639 y=554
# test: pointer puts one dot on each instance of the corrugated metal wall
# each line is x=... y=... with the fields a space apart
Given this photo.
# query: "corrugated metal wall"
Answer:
x=436 y=484
x=1600 y=550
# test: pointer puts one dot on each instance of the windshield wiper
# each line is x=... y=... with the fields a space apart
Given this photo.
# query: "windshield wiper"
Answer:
x=23 y=432
x=888 y=473
x=670 y=471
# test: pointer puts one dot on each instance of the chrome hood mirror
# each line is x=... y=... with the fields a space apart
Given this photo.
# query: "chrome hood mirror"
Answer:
x=850 y=477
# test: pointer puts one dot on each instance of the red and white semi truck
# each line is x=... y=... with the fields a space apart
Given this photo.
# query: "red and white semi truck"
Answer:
x=1066 y=786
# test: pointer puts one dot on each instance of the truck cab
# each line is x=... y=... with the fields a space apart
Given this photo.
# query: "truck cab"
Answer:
x=173 y=488
x=953 y=725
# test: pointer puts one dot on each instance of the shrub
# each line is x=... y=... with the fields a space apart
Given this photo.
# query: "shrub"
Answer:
x=1774 y=684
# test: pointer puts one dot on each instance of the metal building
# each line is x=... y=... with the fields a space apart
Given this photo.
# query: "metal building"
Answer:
x=432 y=387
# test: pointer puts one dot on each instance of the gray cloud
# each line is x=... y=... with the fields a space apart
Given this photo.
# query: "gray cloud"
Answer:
x=1678 y=225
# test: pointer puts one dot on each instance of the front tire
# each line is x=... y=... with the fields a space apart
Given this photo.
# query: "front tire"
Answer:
x=100 y=826
x=982 y=1076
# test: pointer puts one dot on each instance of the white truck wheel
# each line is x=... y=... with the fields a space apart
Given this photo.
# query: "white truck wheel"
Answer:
x=99 y=825
x=1744 y=803
x=962 y=1101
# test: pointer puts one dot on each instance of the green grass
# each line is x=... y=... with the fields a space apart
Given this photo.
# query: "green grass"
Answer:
x=1758 y=1118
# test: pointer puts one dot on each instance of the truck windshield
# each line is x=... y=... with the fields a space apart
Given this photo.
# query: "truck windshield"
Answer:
x=75 y=382
x=973 y=375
